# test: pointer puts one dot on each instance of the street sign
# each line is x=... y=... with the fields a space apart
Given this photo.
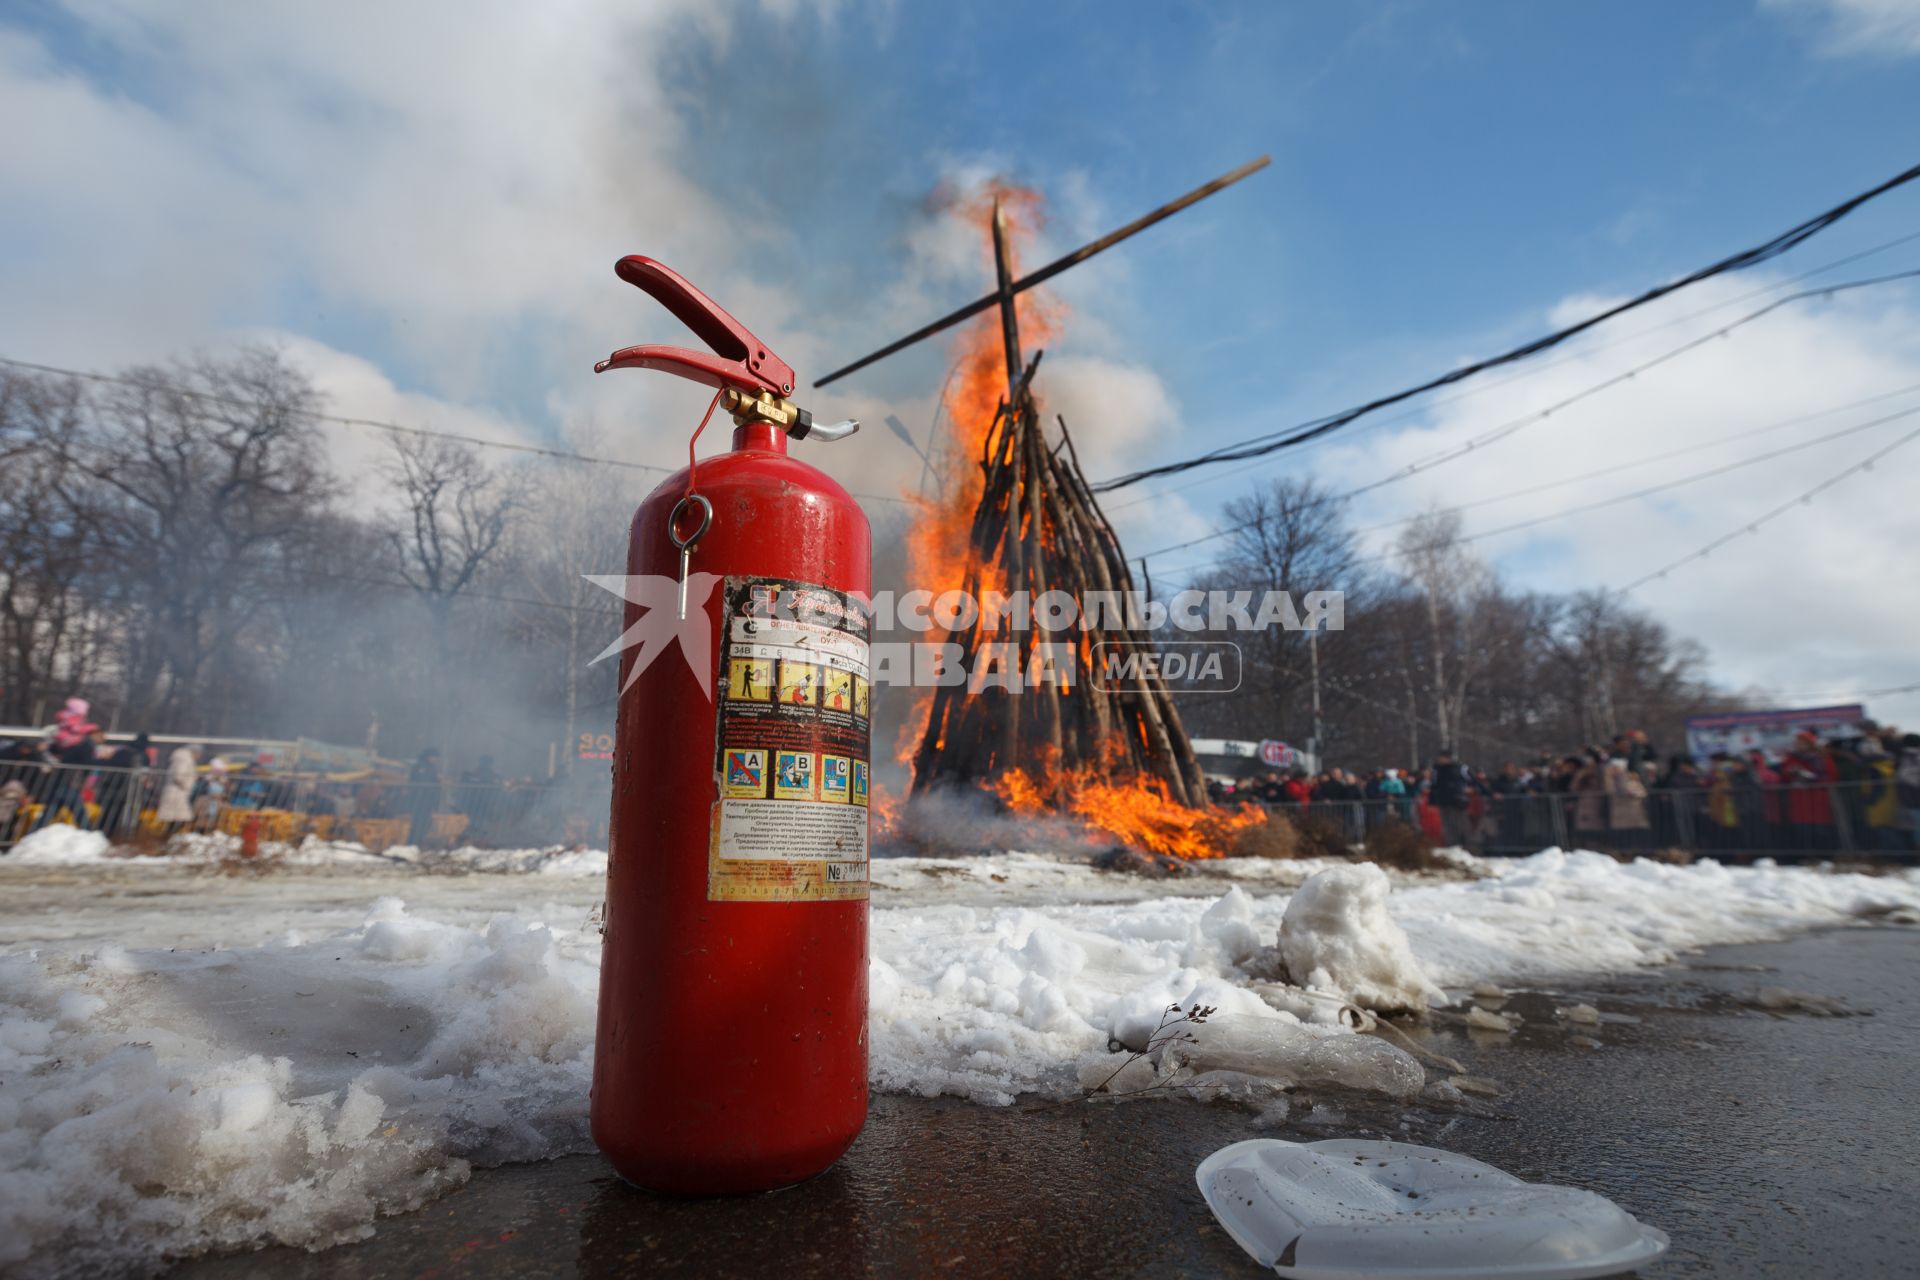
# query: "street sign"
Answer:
x=1277 y=754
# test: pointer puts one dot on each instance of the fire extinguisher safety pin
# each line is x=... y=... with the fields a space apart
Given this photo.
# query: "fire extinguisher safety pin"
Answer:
x=686 y=544
x=679 y=509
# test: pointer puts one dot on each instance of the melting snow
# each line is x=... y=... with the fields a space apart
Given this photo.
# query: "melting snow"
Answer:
x=193 y=1059
x=1337 y=936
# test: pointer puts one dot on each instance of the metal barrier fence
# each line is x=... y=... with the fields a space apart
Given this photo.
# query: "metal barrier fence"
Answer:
x=125 y=804
x=1853 y=818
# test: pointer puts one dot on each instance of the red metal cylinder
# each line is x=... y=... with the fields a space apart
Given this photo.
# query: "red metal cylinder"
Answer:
x=732 y=1049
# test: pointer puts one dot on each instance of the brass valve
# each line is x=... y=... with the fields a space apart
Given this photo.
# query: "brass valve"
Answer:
x=764 y=406
x=761 y=407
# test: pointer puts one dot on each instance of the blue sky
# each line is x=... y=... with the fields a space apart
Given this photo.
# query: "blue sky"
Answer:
x=1439 y=172
x=421 y=204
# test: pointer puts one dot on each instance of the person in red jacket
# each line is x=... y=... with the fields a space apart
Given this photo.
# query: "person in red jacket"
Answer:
x=1810 y=772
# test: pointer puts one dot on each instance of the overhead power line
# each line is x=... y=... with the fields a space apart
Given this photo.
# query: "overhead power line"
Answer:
x=1647 y=460
x=1753 y=526
x=1726 y=330
x=1538 y=367
x=1651 y=490
x=1616 y=499
x=1513 y=425
x=1860 y=695
x=240 y=402
x=376 y=424
x=1273 y=441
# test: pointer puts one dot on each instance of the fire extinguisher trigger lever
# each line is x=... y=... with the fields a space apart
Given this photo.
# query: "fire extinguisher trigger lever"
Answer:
x=732 y=341
x=756 y=382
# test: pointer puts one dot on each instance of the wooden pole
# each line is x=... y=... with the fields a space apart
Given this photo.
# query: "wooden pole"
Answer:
x=1009 y=318
x=1054 y=268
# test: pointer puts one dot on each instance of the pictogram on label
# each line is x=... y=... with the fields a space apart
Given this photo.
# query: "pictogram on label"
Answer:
x=792 y=747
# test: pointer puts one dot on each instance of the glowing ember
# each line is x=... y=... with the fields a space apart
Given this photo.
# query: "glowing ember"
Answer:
x=1138 y=812
x=883 y=814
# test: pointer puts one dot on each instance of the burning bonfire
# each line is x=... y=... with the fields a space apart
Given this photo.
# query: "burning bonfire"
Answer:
x=1087 y=730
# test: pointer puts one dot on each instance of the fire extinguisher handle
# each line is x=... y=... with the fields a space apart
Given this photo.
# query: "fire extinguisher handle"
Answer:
x=697 y=366
x=739 y=360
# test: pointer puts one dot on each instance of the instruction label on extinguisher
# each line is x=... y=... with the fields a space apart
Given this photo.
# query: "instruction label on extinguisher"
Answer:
x=792 y=750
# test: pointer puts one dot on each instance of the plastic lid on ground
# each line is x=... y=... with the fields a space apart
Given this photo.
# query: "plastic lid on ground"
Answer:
x=1347 y=1208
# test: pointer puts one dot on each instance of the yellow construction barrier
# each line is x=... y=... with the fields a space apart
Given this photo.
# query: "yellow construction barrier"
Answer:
x=378 y=833
x=30 y=814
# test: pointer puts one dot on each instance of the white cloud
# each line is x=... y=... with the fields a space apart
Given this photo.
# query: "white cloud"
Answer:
x=1882 y=28
x=1808 y=604
x=361 y=453
x=443 y=189
x=440 y=188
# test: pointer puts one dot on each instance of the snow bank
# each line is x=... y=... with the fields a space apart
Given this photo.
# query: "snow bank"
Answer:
x=1337 y=936
x=1046 y=876
x=63 y=845
x=314 y=852
x=157 y=1102
x=1559 y=913
x=293 y=1088
x=990 y=1003
x=60 y=845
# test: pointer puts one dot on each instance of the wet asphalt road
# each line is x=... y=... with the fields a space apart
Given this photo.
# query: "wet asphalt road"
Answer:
x=1766 y=1145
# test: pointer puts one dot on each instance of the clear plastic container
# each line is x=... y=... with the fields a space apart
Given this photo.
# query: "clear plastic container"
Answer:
x=1348 y=1208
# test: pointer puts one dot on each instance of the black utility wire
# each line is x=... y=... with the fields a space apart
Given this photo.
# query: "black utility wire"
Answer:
x=1265 y=444
x=1541 y=415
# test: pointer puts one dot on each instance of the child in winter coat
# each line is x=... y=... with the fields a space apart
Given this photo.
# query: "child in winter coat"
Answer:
x=71 y=726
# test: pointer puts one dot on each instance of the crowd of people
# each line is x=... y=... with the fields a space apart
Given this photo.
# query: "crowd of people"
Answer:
x=1856 y=792
x=71 y=773
x=1860 y=792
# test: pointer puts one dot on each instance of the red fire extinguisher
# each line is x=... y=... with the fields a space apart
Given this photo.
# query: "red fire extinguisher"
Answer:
x=732 y=1049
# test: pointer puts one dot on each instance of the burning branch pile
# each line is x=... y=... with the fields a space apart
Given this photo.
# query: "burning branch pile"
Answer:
x=1062 y=709
x=1082 y=705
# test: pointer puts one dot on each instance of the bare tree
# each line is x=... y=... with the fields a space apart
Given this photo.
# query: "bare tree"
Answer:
x=1456 y=586
x=1605 y=667
x=1291 y=537
x=54 y=631
x=453 y=520
x=576 y=525
x=202 y=471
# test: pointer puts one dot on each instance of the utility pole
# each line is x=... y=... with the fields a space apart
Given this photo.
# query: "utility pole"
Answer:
x=1319 y=730
x=1413 y=722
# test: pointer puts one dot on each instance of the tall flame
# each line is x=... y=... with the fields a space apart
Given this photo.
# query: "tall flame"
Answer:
x=1137 y=811
x=937 y=541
